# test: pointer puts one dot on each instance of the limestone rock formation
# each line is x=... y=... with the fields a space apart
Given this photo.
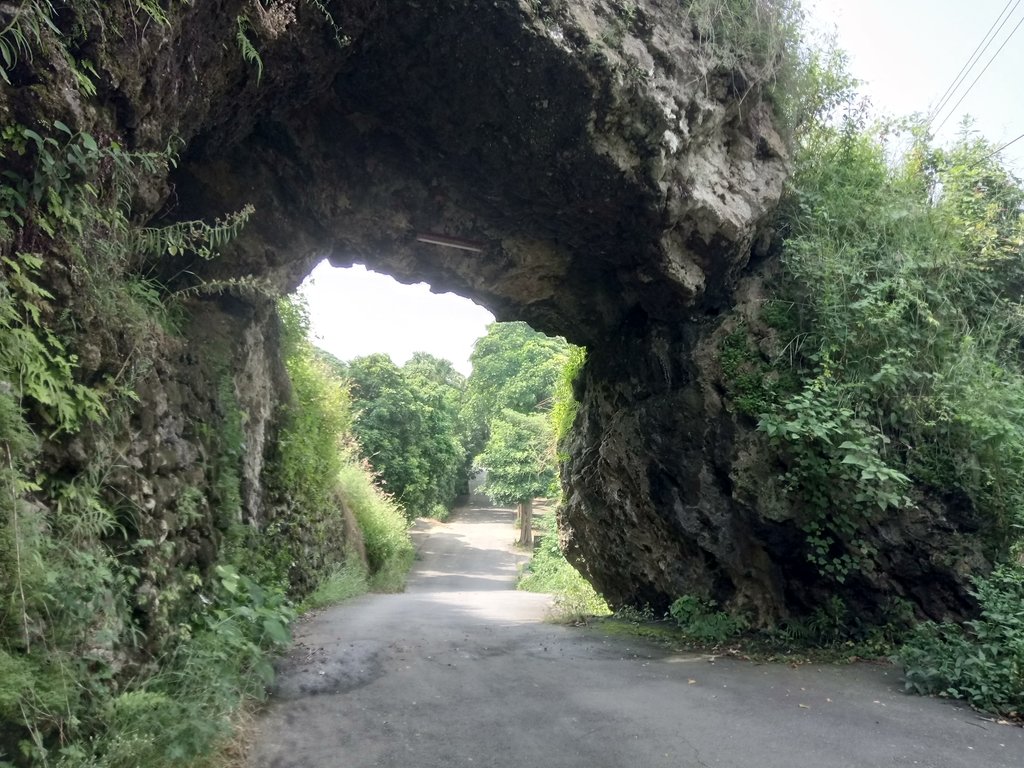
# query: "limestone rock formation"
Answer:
x=612 y=184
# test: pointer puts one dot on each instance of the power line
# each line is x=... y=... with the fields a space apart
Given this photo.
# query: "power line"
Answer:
x=979 y=51
x=995 y=152
x=983 y=71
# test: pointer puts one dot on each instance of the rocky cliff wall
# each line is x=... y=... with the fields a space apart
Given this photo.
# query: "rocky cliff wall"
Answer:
x=612 y=179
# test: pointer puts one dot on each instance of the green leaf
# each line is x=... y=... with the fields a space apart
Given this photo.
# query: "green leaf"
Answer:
x=30 y=134
x=276 y=631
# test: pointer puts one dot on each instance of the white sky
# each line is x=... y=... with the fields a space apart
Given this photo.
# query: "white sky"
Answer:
x=356 y=312
x=907 y=52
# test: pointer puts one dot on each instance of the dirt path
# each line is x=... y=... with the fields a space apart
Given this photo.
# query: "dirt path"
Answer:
x=461 y=671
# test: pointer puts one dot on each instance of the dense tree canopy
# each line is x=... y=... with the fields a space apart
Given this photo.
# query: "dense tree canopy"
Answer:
x=419 y=425
x=407 y=426
x=514 y=367
x=519 y=457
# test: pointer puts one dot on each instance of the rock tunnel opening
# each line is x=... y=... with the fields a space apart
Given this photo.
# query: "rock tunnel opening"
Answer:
x=611 y=187
x=589 y=167
x=608 y=195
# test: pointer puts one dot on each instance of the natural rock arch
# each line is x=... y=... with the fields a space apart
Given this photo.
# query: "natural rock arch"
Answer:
x=613 y=184
x=610 y=194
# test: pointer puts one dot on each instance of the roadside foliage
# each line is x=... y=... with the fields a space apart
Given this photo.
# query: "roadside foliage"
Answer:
x=899 y=310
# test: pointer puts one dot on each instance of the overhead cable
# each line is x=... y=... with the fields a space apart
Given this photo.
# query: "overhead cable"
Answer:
x=983 y=71
x=995 y=152
x=972 y=60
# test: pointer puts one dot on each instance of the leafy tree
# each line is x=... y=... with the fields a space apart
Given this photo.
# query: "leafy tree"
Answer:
x=520 y=463
x=514 y=367
x=439 y=371
x=441 y=387
x=407 y=426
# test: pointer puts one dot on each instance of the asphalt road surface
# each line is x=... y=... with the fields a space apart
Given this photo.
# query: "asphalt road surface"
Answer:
x=461 y=670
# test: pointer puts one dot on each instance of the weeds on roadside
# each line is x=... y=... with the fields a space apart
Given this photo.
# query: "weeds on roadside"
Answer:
x=348 y=580
x=981 y=661
x=575 y=600
x=389 y=550
x=701 y=620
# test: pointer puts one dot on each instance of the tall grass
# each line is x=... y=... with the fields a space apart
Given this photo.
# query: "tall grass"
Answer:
x=349 y=579
x=389 y=550
x=550 y=573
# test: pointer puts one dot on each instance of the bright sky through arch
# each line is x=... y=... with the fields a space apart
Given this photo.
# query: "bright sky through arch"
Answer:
x=906 y=51
x=356 y=312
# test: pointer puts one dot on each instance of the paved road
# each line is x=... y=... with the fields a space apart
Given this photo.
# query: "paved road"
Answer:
x=461 y=671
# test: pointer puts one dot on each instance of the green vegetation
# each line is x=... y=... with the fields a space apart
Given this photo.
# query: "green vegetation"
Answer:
x=519 y=463
x=563 y=411
x=117 y=649
x=508 y=397
x=408 y=427
x=759 y=38
x=131 y=631
x=346 y=581
x=246 y=46
x=831 y=634
x=549 y=572
x=389 y=551
x=762 y=45
x=751 y=382
x=99 y=668
x=702 y=621
x=836 y=468
x=270 y=20
x=896 y=325
x=518 y=457
x=305 y=541
x=982 y=661
x=897 y=318
x=329 y=493
x=23 y=32
x=514 y=368
x=905 y=303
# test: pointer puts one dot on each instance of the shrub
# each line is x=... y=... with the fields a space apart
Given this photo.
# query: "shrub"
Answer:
x=981 y=661
x=764 y=45
x=700 y=620
x=902 y=280
x=550 y=573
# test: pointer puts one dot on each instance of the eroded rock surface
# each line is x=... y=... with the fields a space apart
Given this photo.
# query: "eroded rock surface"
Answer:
x=610 y=181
